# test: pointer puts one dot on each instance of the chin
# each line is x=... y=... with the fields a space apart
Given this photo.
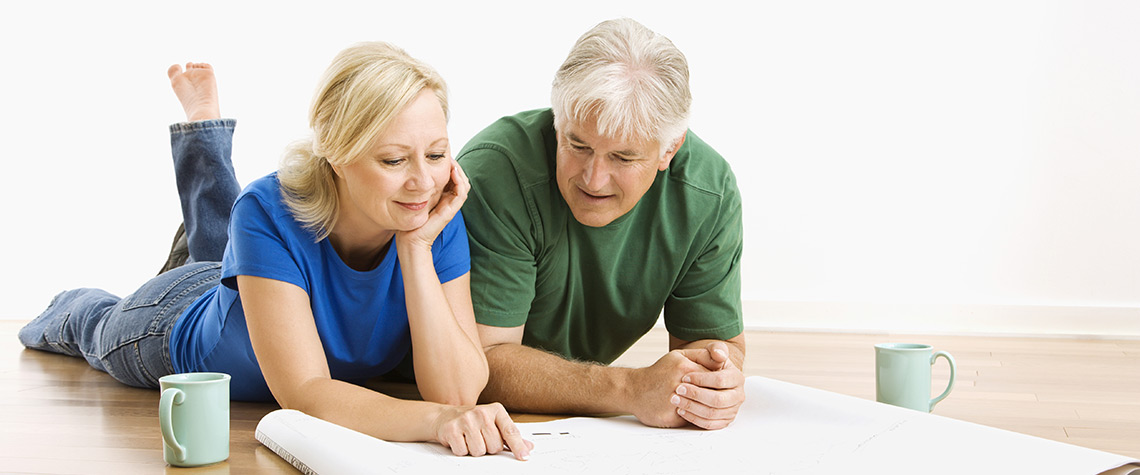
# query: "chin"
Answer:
x=593 y=220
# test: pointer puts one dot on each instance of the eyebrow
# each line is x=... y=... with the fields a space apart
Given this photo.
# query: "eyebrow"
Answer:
x=409 y=147
x=624 y=153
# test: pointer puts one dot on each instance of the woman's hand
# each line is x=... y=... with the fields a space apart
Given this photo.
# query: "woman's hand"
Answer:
x=480 y=430
x=450 y=200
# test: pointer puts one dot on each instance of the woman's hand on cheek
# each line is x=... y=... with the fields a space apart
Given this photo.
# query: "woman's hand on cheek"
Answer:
x=450 y=201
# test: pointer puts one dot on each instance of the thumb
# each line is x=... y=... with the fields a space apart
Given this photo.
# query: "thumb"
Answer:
x=718 y=351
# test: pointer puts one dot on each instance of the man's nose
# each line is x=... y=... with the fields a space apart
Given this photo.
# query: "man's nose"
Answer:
x=596 y=173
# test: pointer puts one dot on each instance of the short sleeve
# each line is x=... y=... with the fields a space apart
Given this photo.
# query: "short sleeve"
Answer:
x=257 y=246
x=501 y=233
x=450 y=251
x=706 y=303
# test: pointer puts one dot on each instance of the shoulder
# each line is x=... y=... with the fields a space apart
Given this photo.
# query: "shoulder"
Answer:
x=265 y=191
x=700 y=169
x=519 y=146
x=261 y=201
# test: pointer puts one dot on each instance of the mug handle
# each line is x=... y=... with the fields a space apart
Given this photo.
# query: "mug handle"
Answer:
x=950 y=385
x=170 y=397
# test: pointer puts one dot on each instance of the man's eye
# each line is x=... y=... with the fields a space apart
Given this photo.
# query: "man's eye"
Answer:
x=580 y=148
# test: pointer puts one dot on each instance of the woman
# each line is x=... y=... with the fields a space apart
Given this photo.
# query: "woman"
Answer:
x=319 y=275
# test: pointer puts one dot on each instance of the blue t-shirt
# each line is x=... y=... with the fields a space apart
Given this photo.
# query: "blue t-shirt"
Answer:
x=361 y=317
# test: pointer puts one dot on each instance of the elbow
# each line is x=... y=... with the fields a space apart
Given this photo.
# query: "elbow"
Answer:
x=464 y=391
x=458 y=396
x=299 y=397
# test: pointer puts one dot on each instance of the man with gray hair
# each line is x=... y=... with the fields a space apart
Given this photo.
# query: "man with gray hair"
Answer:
x=587 y=220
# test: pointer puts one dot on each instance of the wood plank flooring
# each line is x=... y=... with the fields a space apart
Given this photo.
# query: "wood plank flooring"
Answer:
x=57 y=415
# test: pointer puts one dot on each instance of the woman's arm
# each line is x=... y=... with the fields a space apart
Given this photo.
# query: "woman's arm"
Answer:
x=289 y=351
x=449 y=362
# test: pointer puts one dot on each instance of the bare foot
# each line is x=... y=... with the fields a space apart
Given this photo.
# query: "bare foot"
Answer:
x=196 y=90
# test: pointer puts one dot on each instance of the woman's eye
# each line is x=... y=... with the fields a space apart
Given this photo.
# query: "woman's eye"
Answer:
x=392 y=161
x=435 y=157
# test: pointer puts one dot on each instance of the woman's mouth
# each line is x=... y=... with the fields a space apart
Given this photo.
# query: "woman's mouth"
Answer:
x=413 y=206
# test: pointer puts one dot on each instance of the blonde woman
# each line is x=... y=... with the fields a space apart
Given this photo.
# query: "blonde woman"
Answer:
x=324 y=274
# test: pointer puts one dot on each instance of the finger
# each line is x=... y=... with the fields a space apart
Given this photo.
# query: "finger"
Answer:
x=702 y=415
x=491 y=437
x=718 y=351
x=456 y=443
x=519 y=447
x=476 y=446
x=702 y=357
x=707 y=424
x=462 y=183
x=730 y=378
x=713 y=398
x=456 y=166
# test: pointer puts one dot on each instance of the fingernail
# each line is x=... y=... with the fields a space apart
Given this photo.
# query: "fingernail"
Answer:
x=685 y=379
x=681 y=390
x=675 y=399
x=721 y=352
x=680 y=411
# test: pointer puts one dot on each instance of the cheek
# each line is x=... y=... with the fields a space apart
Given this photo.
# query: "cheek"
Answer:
x=564 y=167
x=441 y=176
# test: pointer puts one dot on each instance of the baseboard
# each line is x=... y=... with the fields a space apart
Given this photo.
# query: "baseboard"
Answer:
x=1012 y=320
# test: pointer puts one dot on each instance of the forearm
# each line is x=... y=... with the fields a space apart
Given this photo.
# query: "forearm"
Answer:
x=449 y=363
x=366 y=411
x=530 y=380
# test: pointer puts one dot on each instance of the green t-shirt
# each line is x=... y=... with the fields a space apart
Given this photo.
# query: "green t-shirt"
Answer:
x=590 y=293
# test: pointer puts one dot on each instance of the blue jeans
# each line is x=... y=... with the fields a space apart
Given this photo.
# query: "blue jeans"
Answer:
x=129 y=338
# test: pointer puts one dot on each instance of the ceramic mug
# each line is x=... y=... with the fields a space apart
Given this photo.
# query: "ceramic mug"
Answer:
x=902 y=375
x=194 y=415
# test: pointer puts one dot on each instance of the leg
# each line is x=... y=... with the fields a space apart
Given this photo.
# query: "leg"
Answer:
x=128 y=338
x=204 y=173
x=207 y=186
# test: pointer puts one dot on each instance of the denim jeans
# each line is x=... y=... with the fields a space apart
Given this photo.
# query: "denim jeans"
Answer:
x=129 y=338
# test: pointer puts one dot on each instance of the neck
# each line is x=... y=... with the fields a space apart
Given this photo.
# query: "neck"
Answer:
x=359 y=252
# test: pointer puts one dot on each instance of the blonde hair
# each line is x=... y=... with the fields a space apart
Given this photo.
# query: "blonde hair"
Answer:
x=364 y=88
x=633 y=81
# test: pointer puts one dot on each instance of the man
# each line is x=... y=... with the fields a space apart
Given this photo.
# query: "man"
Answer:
x=586 y=220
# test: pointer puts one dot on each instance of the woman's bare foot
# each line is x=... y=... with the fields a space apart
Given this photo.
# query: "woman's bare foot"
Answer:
x=196 y=90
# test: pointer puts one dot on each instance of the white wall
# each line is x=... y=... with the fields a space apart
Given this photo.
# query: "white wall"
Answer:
x=933 y=166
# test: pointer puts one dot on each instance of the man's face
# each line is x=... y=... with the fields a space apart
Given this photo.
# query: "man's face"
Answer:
x=602 y=178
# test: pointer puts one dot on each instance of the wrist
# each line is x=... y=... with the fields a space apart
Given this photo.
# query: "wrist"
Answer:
x=625 y=386
x=435 y=417
x=410 y=250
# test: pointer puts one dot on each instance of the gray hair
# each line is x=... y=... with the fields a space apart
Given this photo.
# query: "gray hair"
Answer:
x=633 y=81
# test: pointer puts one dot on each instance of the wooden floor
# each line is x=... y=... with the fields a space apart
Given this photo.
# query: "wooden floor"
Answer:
x=57 y=415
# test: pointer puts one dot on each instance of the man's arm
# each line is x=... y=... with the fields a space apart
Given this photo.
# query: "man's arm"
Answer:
x=530 y=380
x=710 y=399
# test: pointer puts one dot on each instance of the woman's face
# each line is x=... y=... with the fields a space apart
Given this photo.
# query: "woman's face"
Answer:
x=401 y=176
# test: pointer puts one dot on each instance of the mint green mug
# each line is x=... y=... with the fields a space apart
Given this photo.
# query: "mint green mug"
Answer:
x=194 y=415
x=902 y=375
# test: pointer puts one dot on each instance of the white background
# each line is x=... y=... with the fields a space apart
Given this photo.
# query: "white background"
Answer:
x=965 y=166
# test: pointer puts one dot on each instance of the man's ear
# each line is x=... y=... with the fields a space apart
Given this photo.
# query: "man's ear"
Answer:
x=667 y=158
